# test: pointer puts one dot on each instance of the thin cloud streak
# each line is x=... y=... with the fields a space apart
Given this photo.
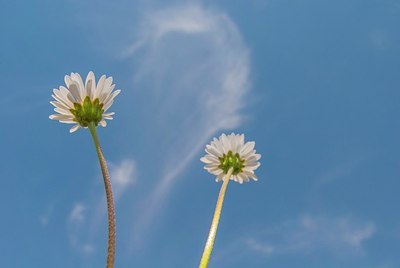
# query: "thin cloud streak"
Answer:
x=204 y=53
x=123 y=176
x=84 y=218
x=342 y=237
x=44 y=219
x=76 y=221
x=77 y=215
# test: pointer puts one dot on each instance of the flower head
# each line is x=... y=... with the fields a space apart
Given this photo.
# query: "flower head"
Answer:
x=231 y=152
x=83 y=104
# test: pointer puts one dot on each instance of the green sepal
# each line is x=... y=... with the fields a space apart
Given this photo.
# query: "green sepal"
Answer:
x=231 y=160
x=87 y=112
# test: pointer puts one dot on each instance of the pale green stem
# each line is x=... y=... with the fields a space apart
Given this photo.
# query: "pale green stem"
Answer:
x=214 y=224
x=109 y=195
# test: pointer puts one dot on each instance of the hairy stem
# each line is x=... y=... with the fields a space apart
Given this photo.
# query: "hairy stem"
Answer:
x=109 y=195
x=214 y=224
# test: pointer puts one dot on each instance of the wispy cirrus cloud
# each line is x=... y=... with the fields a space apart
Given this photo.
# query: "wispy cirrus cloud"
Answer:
x=77 y=215
x=123 y=175
x=75 y=224
x=341 y=170
x=195 y=68
x=45 y=217
x=190 y=69
x=84 y=217
x=341 y=236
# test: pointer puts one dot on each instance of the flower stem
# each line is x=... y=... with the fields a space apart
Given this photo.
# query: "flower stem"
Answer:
x=214 y=224
x=109 y=195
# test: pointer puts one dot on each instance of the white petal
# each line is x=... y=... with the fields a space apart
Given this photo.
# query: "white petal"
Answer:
x=106 y=89
x=108 y=105
x=205 y=160
x=61 y=95
x=60 y=117
x=220 y=177
x=210 y=159
x=243 y=177
x=68 y=121
x=68 y=81
x=225 y=143
x=212 y=151
x=253 y=158
x=239 y=143
x=59 y=105
x=109 y=99
x=74 y=128
x=75 y=92
x=103 y=123
x=108 y=117
x=90 y=85
x=241 y=139
x=248 y=147
x=58 y=100
x=214 y=172
x=232 y=139
x=218 y=145
x=217 y=171
x=68 y=96
x=78 y=80
x=212 y=167
x=247 y=172
x=99 y=88
x=252 y=166
x=63 y=111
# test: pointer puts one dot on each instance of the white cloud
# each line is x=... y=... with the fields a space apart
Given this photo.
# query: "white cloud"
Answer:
x=343 y=237
x=263 y=248
x=341 y=170
x=123 y=175
x=75 y=223
x=88 y=248
x=190 y=69
x=44 y=219
x=87 y=218
x=77 y=213
x=194 y=66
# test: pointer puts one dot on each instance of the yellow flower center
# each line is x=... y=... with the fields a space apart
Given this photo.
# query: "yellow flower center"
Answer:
x=231 y=160
x=87 y=112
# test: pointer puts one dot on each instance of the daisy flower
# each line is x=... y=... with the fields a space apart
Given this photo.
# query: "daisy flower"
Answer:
x=82 y=104
x=85 y=105
x=230 y=151
x=228 y=158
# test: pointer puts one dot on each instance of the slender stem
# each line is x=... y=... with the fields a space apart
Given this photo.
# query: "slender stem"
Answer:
x=214 y=224
x=109 y=195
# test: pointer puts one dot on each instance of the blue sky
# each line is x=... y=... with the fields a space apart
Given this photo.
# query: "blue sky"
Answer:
x=315 y=83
